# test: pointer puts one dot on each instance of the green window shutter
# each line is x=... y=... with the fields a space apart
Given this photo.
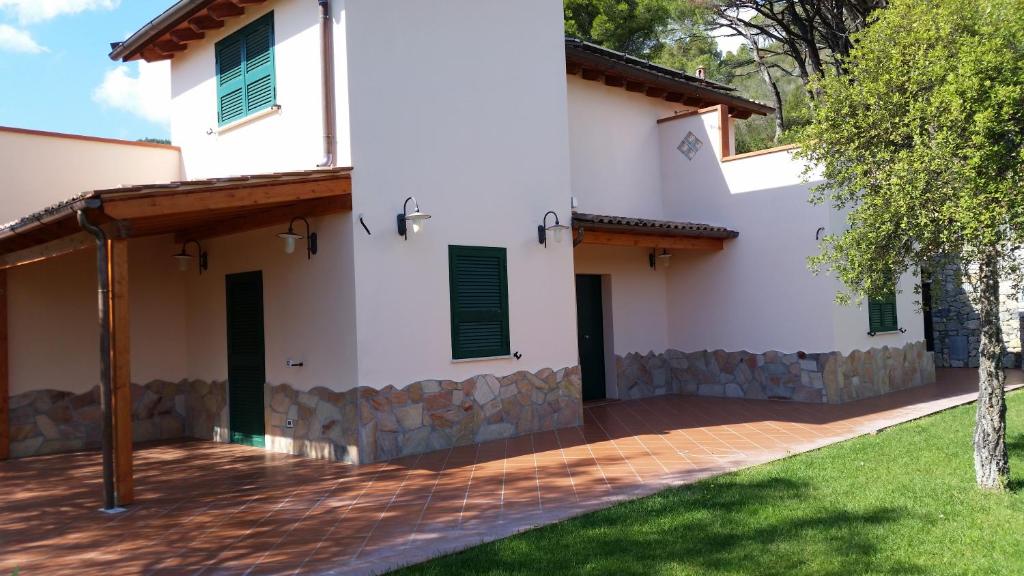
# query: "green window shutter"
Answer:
x=259 y=65
x=230 y=79
x=478 y=282
x=245 y=71
x=882 y=315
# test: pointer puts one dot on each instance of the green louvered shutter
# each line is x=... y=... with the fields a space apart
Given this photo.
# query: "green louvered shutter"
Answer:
x=882 y=315
x=245 y=71
x=259 y=65
x=230 y=79
x=478 y=281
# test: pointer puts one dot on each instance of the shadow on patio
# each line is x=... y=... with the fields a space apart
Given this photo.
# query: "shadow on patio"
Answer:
x=203 y=505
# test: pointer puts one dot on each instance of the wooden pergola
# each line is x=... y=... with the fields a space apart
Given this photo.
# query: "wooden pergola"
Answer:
x=190 y=210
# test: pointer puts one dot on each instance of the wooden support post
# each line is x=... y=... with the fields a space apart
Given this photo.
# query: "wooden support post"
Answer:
x=120 y=367
x=5 y=422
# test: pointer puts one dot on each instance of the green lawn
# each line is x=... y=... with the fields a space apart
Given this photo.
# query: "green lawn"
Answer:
x=901 y=502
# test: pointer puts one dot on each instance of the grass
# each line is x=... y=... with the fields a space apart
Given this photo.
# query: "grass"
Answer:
x=901 y=502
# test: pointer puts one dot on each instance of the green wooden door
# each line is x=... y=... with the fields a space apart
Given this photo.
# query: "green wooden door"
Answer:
x=590 y=335
x=246 y=361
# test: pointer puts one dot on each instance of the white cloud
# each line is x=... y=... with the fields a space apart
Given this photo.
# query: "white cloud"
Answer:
x=29 y=11
x=146 y=93
x=14 y=40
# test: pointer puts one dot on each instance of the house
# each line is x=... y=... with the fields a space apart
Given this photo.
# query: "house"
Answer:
x=385 y=229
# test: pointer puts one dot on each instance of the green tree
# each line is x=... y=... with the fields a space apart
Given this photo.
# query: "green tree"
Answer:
x=631 y=26
x=922 y=142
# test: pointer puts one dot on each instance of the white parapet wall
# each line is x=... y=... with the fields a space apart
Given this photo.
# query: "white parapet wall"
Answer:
x=43 y=168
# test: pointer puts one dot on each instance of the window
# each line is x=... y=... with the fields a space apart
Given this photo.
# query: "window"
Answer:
x=478 y=282
x=882 y=315
x=245 y=71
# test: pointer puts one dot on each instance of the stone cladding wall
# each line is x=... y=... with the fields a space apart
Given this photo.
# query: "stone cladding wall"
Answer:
x=820 y=378
x=956 y=324
x=439 y=414
x=52 y=421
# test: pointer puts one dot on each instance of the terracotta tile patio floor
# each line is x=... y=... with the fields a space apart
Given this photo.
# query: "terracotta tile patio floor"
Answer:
x=206 y=508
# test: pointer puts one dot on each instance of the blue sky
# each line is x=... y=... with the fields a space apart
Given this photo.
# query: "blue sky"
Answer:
x=55 y=73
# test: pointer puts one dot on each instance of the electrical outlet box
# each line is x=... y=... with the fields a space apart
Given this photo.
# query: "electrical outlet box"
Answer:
x=289 y=423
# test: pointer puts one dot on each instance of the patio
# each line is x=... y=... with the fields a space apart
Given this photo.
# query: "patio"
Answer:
x=205 y=508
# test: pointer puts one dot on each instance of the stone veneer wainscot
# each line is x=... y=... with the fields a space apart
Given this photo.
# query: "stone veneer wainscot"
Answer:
x=821 y=377
x=52 y=421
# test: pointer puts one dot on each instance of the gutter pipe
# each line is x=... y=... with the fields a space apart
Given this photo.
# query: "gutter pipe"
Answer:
x=327 y=84
x=102 y=266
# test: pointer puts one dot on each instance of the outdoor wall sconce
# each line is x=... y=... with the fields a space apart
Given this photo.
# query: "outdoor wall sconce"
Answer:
x=291 y=236
x=185 y=259
x=414 y=219
x=665 y=259
x=555 y=229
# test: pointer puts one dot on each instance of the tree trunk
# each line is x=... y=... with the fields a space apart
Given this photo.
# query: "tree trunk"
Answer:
x=991 y=461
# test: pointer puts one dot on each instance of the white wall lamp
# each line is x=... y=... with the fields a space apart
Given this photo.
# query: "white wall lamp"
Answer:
x=185 y=259
x=414 y=219
x=290 y=237
x=664 y=259
x=555 y=229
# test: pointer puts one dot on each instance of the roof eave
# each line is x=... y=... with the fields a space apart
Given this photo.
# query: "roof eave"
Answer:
x=583 y=53
x=170 y=19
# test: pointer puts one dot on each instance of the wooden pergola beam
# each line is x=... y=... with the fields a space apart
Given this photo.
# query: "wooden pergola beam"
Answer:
x=127 y=207
x=605 y=238
x=5 y=422
x=270 y=217
x=120 y=368
x=66 y=245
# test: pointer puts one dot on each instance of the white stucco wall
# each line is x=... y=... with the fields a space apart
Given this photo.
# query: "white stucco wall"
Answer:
x=52 y=325
x=308 y=306
x=614 y=143
x=758 y=294
x=638 y=296
x=291 y=139
x=40 y=169
x=474 y=126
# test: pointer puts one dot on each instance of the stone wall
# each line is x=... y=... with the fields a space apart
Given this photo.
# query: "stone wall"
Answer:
x=360 y=426
x=821 y=378
x=439 y=414
x=52 y=421
x=319 y=423
x=956 y=325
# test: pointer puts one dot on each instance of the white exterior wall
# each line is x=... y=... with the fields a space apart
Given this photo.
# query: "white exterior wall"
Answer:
x=613 y=146
x=307 y=306
x=42 y=169
x=473 y=126
x=638 y=296
x=291 y=139
x=52 y=324
x=758 y=294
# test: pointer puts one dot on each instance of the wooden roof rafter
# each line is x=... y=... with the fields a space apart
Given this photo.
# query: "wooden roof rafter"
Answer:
x=171 y=32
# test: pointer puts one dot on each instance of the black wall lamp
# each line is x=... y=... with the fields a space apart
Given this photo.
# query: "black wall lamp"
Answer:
x=555 y=229
x=414 y=219
x=185 y=259
x=291 y=236
x=665 y=259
